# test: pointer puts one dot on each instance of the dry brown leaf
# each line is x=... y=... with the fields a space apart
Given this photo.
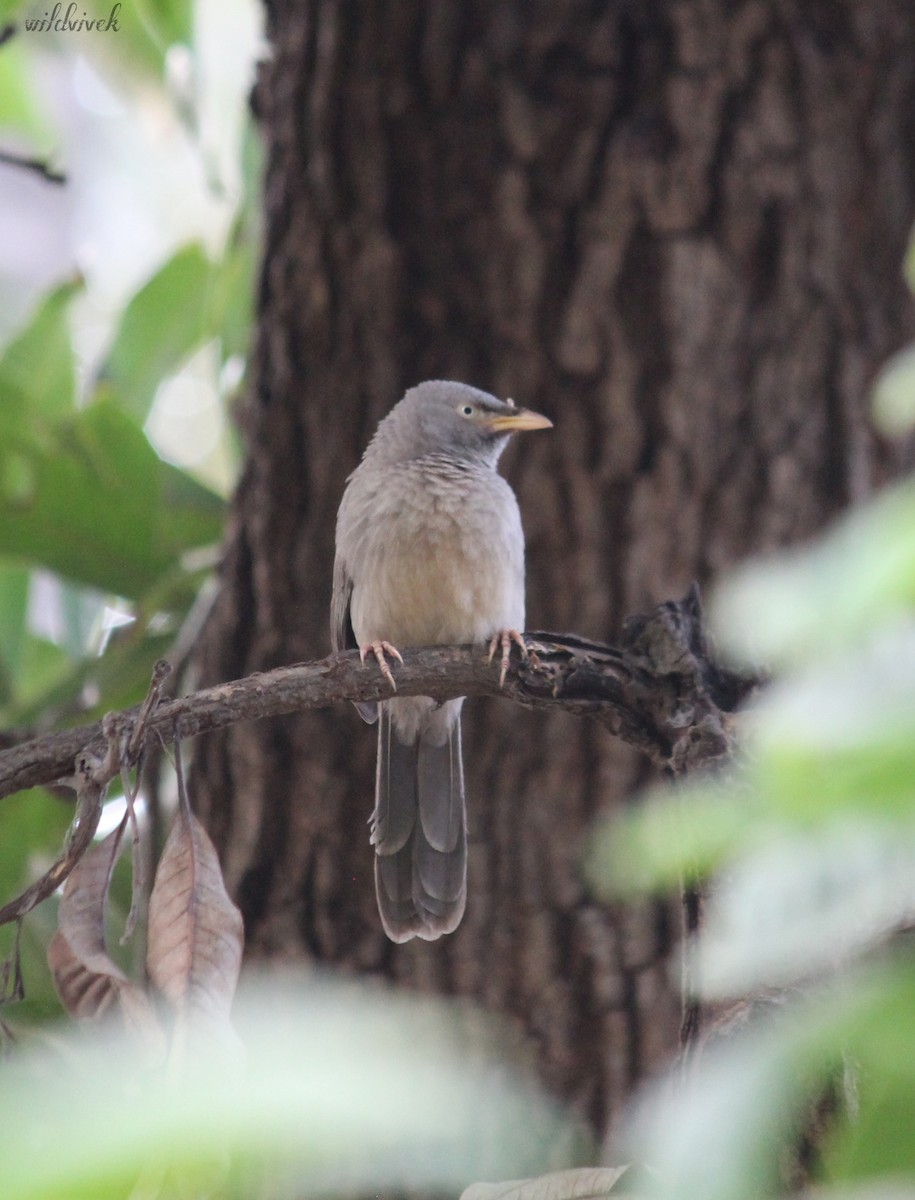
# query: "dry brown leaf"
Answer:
x=84 y=905
x=196 y=933
x=90 y=984
x=90 y=995
x=579 y=1183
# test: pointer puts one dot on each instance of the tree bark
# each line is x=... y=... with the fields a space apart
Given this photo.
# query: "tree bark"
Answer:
x=677 y=229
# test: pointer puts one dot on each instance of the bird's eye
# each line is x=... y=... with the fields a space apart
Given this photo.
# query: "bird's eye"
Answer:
x=466 y=410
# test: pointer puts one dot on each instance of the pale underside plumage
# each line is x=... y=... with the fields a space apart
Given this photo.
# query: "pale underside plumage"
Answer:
x=429 y=551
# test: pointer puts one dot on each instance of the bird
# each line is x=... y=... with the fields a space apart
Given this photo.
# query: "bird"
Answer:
x=429 y=551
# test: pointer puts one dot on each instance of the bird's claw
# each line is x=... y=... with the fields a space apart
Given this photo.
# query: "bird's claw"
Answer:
x=504 y=638
x=380 y=649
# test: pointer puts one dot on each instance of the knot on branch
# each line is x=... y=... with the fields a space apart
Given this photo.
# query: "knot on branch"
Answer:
x=661 y=689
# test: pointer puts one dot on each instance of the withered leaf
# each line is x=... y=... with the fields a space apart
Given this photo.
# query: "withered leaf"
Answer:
x=195 y=931
x=577 y=1183
x=89 y=995
x=89 y=983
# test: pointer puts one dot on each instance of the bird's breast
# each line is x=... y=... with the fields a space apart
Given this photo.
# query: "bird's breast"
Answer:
x=440 y=559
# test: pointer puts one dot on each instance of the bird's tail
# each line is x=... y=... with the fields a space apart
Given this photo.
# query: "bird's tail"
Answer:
x=419 y=827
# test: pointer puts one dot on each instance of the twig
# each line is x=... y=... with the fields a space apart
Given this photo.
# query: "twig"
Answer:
x=122 y=738
x=32 y=164
x=90 y=798
x=691 y=1012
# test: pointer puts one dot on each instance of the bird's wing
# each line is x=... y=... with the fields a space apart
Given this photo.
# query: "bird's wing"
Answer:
x=342 y=636
x=341 y=629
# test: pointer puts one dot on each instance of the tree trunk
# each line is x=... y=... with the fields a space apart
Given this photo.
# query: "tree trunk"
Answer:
x=677 y=228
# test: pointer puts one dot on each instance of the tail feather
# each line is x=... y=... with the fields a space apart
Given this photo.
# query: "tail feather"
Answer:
x=394 y=887
x=395 y=788
x=440 y=789
x=440 y=880
x=419 y=829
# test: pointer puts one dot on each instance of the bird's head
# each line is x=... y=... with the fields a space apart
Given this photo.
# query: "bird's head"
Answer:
x=442 y=417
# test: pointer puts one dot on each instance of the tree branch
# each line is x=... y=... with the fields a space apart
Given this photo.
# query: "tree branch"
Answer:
x=659 y=690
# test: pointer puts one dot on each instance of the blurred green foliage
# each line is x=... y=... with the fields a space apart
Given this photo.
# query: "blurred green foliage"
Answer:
x=331 y=1089
x=809 y=843
x=105 y=545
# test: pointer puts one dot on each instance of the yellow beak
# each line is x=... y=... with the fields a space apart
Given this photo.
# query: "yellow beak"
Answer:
x=516 y=422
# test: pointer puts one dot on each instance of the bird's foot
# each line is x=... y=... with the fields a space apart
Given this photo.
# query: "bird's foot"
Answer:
x=380 y=649
x=504 y=638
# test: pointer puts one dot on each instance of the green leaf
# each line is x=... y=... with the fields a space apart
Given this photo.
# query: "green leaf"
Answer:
x=20 y=109
x=33 y=825
x=802 y=903
x=166 y=319
x=101 y=508
x=874 y=1027
x=43 y=665
x=232 y=301
x=671 y=836
x=11 y=8
x=811 y=603
x=167 y=21
x=120 y=678
x=41 y=1004
x=725 y=1132
x=721 y=1132
x=836 y=742
x=894 y=394
x=39 y=363
x=14 y=603
x=145 y=31
x=840 y=736
x=233 y=298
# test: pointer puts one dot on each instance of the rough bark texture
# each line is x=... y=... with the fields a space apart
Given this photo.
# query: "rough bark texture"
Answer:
x=676 y=228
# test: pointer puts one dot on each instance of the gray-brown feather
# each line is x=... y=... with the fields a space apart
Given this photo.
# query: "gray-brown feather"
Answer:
x=419 y=827
x=342 y=636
